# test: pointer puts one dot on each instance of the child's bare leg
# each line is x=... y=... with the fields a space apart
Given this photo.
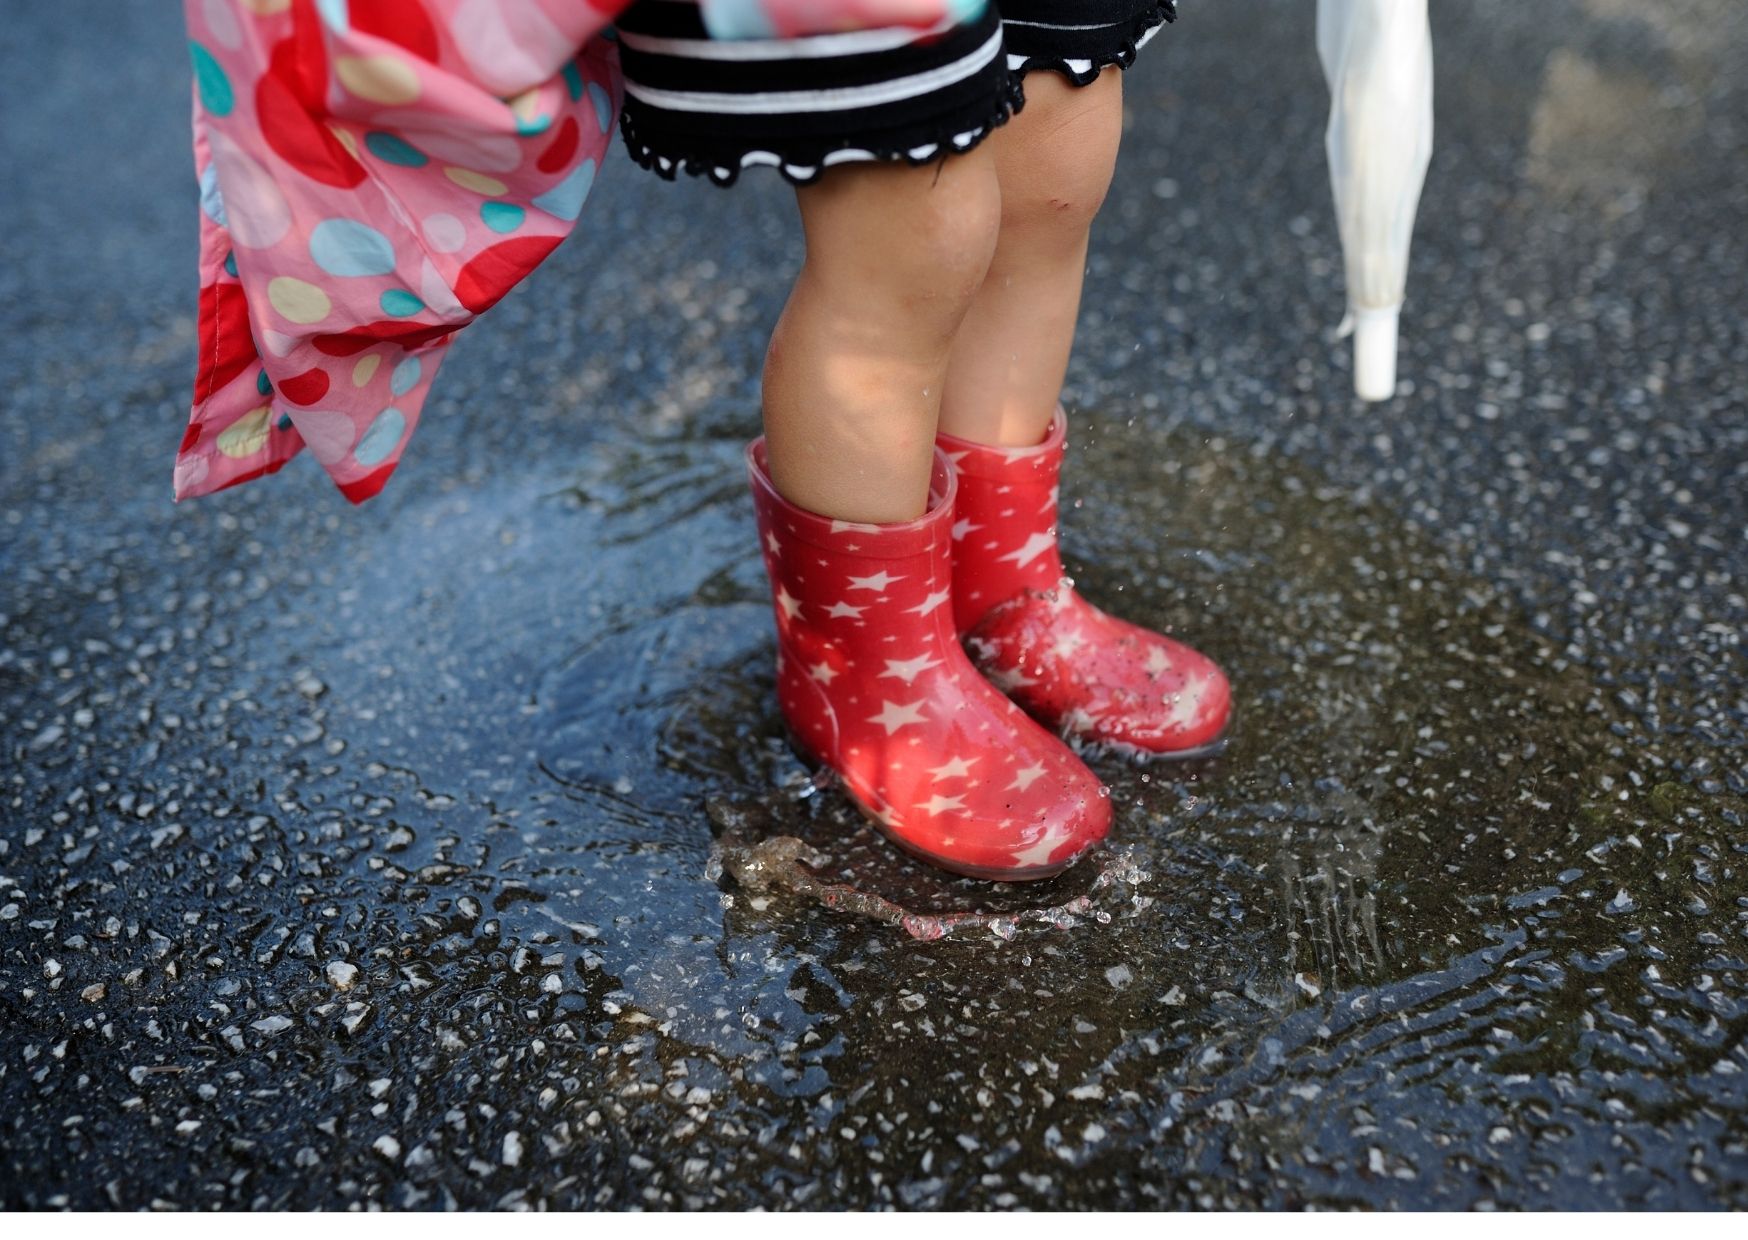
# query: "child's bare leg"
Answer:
x=1054 y=161
x=856 y=368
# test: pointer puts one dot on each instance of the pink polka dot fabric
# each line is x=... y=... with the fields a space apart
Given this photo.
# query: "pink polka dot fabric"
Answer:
x=374 y=175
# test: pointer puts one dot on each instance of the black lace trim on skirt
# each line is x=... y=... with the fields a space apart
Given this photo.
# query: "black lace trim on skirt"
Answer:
x=1122 y=54
x=801 y=161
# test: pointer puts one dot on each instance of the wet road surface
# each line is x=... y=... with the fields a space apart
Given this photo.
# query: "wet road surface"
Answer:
x=447 y=852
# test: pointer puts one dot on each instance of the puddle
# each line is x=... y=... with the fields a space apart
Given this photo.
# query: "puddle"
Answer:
x=1443 y=922
x=1422 y=853
x=1387 y=708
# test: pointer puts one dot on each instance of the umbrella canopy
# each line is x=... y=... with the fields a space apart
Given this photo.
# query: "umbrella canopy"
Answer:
x=1377 y=57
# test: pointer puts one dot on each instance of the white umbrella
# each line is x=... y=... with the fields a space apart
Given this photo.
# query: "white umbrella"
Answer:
x=1377 y=55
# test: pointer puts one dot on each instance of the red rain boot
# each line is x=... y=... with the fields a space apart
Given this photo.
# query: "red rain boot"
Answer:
x=1100 y=681
x=873 y=683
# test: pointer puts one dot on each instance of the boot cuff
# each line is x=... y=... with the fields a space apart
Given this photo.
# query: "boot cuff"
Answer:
x=1004 y=463
x=862 y=538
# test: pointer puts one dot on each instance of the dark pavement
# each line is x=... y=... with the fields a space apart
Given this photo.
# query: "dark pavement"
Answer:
x=365 y=856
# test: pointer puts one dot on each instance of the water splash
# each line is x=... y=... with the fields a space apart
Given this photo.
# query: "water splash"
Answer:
x=762 y=863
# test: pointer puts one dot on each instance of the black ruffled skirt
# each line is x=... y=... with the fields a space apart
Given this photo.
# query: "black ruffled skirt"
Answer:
x=711 y=108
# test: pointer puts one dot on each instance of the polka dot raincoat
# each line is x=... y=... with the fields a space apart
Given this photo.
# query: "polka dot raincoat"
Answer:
x=374 y=175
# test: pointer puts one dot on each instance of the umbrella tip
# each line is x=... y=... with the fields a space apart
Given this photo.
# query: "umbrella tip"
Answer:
x=1374 y=352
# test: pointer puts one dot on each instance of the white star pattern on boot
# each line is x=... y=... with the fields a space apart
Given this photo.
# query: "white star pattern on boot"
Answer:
x=877 y=582
x=1040 y=852
x=1157 y=661
x=907 y=670
x=772 y=543
x=1185 y=706
x=823 y=672
x=893 y=716
x=958 y=768
x=933 y=601
x=937 y=803
x=1035 y=546
x=788 y=602
x=838 y=611
x=1067 y=646
x=962 y=527
x=1026 y=778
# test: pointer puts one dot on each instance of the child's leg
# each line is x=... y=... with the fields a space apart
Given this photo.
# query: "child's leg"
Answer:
x=871 y=678
x=1069 y=664
x=855 y=373
x=1054 y=161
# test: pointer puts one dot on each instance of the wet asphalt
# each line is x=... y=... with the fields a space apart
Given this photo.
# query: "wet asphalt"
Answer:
x=446 y=851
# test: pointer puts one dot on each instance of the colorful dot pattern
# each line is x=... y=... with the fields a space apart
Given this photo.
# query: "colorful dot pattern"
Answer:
x=351 y=225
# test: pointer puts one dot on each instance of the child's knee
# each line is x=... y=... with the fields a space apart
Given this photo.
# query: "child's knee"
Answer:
x=1056 y=174
x=918 y=238
x=954 y=239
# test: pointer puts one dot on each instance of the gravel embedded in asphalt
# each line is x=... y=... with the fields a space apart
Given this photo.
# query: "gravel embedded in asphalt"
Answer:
x=365 y=856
